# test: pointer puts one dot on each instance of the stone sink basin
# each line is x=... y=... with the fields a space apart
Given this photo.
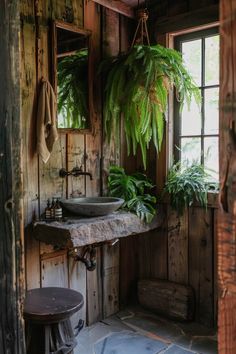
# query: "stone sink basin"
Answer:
x=92 y=206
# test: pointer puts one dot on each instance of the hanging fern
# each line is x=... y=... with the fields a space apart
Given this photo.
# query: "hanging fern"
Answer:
x=73 y=90
x=137 y=86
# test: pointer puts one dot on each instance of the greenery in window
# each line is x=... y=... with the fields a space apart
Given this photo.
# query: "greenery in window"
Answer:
x=134 y=189
x=186 y=184
x=73 y=90
x=137 y=87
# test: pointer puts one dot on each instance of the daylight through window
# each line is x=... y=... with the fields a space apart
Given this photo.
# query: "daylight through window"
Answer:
x=197 y=128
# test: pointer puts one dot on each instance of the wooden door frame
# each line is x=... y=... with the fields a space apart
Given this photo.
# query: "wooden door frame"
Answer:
x=227 y=213
x=11 y=211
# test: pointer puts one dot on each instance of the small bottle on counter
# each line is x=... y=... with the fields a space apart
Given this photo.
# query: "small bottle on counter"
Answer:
x=48 y=210
x=58 y=210
x=52 y=209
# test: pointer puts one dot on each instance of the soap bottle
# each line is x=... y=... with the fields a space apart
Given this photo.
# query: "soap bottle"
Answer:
x=58 y=210
x=48 y=210
x=52 y=209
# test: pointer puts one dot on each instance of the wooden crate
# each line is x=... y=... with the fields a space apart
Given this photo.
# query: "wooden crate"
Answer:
x=167 y=298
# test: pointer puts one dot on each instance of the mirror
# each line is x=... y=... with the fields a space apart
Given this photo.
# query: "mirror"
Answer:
x=71 y=76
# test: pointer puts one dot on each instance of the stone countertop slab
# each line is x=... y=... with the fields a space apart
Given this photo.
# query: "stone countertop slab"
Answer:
x=80 y=231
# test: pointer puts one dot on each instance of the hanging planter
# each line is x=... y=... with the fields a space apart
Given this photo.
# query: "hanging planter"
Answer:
x=137 y=85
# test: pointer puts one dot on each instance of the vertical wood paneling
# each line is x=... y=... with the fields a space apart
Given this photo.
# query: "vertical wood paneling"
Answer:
x=94 y=291
x=201 y=250
x=177 y=246
x=110 y=272
x=11 y=186
x=54 y=271
x=92 y=18
x=111 y=47
x=76 y=157
x=93 y=154
x=129 y=268
x=77 y=281
x=227 y=213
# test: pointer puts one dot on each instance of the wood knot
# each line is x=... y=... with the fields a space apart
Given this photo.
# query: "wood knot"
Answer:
x=8 y=206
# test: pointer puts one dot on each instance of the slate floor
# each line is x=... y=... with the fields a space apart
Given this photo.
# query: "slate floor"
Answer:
x=136 y=331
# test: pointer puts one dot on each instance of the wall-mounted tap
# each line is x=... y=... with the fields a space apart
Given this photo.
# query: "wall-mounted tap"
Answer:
x=76 y=171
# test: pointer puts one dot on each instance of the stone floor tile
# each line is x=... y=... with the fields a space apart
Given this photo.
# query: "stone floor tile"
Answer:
x=204 y=346
x=175 y=349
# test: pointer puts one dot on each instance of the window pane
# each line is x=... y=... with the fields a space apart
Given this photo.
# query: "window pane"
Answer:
x=212 y=60
x=191 y=119
x=211 y=156
x=190 y=150
x=192 y=52
x=211 y=111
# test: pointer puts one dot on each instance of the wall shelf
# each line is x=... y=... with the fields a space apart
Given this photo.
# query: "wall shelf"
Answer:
x=78 y=231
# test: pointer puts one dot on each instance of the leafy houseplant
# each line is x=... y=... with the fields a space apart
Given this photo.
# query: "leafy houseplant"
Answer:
x=133 y=189
x=73 y=90
x=137 y=86
x=185 y=184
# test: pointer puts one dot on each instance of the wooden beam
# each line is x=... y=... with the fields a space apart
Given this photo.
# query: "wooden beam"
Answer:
x=202 y=16
x=11 y=189
x=118 y=6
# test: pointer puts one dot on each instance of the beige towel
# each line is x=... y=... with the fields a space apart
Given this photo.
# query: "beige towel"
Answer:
x=46 y=121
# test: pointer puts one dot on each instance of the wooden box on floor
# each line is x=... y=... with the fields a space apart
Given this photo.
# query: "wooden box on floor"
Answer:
x=167 y=298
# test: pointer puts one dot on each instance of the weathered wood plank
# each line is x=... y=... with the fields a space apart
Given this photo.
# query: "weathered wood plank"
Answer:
x=227 y=214
x=32 y=260
x=94 y=291
x=177 y=246
x=117 y=6
x=75 y=158
x=201 y=262
x=191 y=19
x=111 y=150
x=54 y=270
x=11 y=186
x=92 y=18
x=167 y=298
x=110 y=272
x=129 y=270
x=77 y=281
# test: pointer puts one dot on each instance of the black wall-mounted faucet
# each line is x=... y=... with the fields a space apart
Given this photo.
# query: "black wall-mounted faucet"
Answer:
x=75 y=172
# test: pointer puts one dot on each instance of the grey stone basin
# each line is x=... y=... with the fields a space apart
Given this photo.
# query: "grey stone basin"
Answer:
x=92 y=206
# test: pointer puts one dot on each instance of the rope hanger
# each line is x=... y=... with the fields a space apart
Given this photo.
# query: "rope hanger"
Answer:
x=142 y=16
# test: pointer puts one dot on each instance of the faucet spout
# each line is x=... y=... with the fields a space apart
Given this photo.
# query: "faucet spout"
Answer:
x=76 y=171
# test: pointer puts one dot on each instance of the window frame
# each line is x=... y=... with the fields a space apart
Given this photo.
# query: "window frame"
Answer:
x=178 y=40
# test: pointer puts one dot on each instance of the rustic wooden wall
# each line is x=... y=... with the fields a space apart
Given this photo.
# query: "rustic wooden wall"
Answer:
x=184 y=250
x=44 y=266
x=166 y=254
x=11 y=218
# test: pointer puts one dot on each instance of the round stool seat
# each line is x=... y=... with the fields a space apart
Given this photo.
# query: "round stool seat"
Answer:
x=51 y=304
x=47 y=313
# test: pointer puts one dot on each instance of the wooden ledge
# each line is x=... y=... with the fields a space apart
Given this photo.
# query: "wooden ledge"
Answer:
x=78 y=231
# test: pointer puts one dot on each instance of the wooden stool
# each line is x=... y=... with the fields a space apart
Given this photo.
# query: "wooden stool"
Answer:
x=47 y=313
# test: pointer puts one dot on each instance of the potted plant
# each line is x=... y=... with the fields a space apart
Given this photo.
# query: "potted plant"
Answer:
x=186 y=184
x=137 y=84
x=135 y=190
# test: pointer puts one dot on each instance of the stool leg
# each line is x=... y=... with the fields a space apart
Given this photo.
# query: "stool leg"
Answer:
x=47 y=334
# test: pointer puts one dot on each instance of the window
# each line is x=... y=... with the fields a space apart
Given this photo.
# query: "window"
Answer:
x=197 y=128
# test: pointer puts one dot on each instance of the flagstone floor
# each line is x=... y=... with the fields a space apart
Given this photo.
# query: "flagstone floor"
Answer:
x=136 y=331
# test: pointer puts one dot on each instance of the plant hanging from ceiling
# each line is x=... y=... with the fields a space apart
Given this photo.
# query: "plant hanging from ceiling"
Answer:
x=73 y=90
x=137 y=86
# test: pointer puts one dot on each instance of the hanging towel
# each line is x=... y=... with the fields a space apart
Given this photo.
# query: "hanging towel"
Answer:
x=46 y=120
